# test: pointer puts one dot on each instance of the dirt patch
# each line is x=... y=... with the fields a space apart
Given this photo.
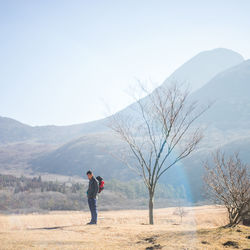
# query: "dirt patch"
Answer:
x=231 y=244
x=205 y=242
x=152 y=240
x=157 y=246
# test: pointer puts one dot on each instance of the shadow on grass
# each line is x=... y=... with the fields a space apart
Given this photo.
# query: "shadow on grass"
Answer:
x=52 y=228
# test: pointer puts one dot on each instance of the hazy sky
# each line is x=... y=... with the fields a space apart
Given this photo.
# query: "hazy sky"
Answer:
x=60 y=61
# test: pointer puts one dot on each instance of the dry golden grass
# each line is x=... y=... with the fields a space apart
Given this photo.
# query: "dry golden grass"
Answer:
x=122 y=230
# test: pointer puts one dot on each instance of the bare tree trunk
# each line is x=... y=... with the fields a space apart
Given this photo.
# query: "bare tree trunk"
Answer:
x=151 y=207
x=234 y=218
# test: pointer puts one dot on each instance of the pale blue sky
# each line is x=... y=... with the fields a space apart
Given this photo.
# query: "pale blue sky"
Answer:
x=59 y=60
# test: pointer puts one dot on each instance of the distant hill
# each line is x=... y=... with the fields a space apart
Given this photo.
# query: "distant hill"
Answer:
x=88 y=152
x=14 y=131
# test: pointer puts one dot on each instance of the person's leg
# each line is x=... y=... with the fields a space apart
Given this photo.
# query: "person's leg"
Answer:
x=94 y=211
x=91 y=208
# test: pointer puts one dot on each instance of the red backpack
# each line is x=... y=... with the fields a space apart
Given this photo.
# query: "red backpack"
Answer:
x=101 y=183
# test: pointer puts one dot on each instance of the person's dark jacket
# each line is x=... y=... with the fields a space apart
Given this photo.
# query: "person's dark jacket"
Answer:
x=93 y=188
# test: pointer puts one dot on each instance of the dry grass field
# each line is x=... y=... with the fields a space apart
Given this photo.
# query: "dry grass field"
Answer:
x=199 y=229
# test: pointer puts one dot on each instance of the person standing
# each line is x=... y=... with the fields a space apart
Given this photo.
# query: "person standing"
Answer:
x=92 y=193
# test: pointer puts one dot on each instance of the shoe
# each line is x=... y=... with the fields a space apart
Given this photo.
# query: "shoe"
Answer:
x=91 y=223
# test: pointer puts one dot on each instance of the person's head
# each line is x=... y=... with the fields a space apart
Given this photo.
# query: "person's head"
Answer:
x=89 y=174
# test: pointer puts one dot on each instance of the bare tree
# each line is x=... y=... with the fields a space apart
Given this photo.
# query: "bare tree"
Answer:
x=180 y=211
x=227 y=182
x=158 y=132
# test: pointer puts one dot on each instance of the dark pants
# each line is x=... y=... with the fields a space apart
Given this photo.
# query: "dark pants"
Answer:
x=93 y=209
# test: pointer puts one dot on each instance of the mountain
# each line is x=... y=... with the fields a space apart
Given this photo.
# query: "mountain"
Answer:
x=197 y=71
x=231 y=112
x=204 y=66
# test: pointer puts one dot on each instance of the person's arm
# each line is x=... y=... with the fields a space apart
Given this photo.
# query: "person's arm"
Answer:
x=91 y=189
x=96 y=187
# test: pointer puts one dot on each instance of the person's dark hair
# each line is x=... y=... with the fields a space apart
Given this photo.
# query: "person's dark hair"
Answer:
x=89 y=172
